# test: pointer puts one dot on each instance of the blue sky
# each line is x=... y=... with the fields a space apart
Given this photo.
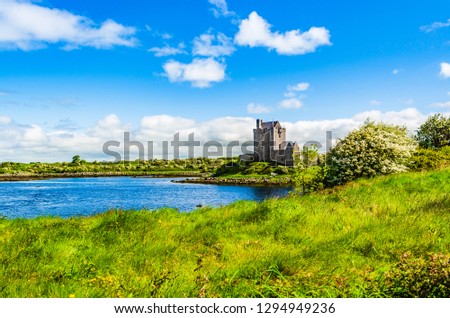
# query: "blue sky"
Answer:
x=76 y=73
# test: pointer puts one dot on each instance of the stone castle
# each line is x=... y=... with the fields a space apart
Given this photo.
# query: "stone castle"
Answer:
x=269 y=140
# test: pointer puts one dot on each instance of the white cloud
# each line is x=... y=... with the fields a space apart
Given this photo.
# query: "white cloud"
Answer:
x=434 y=26
x=165 y=124
x=291 y=100
x=203 y=45
x=200 y=72
x=168 y=50
x=225 y=129
x=5 y=120
x=291 y=103
x=375 y=102
x=396 y=71
x=163 y=35
x=298 y=87
x=442 y=105
x=409 y=117
x=445 y=70
x=166 y=36
x=22 y=142
x=253 y=108
x=255 y=32
x=221 y=8
x=290 y=94
x=109 y=127
x=27 y=26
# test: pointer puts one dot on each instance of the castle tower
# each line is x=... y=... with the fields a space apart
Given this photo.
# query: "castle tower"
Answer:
x=269 y=141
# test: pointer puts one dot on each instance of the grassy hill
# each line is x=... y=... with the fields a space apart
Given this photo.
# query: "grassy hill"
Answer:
x=383 y=237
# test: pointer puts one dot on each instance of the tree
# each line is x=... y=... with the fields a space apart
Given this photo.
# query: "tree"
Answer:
x=373 y=149
x=434 y=133
x=303 y=178
x=76 y=159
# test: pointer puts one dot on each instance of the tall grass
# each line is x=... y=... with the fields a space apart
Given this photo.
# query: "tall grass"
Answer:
x=342 y=242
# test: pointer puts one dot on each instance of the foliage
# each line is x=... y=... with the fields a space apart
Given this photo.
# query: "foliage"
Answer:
x=373 y=149
x=418 y=277
x=435 y=132
x=430 y=159
x=138 y=167
x=76 y=159
x=306 y=178
x=251 y=169
x=329 y=244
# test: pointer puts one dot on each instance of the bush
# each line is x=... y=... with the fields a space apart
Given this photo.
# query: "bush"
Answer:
x=435 y=132
x=429 y=159
x=418 y=277
x=371 y=150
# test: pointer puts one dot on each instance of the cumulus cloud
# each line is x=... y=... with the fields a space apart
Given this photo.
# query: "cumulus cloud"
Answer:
x=200 y=72
x=31 y=142
x=299 y=87
x=434 y=26
x=221 y=8
x=168 y=50
x=256 y=32
x=204 y=45
x=291 y=103
x=253 y=108
x=163 y=125
x=445 y=70
x=109 y=127
x=22 y=142
x=28 y=26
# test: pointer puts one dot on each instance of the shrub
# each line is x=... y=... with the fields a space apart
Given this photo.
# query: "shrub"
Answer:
x=435 y=132
x=281 y=170
x=429 y=159
x=371 y=150
x=418 y=277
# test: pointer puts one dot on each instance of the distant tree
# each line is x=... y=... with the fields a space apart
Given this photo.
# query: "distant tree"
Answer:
x=76 y=159
x=435 y=132
x=373 y=149
x=308 y=157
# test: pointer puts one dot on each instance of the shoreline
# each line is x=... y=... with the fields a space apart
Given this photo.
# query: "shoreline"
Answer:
x=46 y=176
x=191 y=177
x=238 y=181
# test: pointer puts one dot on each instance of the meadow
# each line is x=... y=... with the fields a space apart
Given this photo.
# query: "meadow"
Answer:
x=387 y=236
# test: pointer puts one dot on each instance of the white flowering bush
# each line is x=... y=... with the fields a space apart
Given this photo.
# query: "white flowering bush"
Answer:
x=373 y=149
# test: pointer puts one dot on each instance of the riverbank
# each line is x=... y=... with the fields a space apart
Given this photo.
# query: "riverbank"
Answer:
x=43 y=176
x=261 y=181
x=383 y=237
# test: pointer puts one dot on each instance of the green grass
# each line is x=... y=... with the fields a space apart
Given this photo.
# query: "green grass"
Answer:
x=336 y=243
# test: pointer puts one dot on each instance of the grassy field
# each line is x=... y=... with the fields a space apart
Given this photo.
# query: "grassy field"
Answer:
x=384 y=237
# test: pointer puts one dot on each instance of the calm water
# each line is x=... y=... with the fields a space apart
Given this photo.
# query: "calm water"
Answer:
x=86 y=196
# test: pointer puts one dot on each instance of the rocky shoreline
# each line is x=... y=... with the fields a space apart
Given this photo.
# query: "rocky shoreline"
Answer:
x=192 y=177
x=238 y=181
x=43 y=176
